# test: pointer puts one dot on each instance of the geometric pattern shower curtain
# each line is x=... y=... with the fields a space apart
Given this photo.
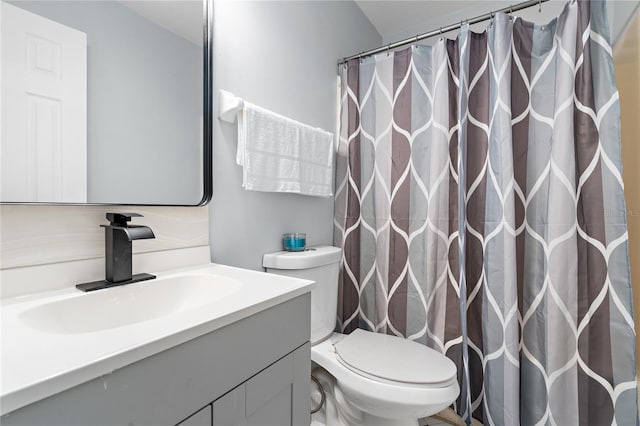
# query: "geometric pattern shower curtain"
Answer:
x=479 y=203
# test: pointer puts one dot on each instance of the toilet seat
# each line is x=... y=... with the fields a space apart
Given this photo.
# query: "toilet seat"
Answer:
x=393 y=359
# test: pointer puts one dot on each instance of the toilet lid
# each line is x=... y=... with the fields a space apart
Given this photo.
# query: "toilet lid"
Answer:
x=395 y=359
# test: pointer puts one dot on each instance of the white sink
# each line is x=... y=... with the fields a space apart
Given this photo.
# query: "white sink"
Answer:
x=56 y=340
x=129 y=304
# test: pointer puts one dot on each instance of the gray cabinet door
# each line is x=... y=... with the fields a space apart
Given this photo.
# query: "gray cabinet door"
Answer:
x=277 y=396
x=201 y=418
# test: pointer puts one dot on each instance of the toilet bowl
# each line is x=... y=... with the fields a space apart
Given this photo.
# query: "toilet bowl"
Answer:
x=383 y=400
x=377 y=379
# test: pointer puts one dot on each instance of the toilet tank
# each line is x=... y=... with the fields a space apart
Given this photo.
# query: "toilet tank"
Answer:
x=319 y=264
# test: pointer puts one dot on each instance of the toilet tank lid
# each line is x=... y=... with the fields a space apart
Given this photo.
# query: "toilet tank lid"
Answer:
x=312 y=257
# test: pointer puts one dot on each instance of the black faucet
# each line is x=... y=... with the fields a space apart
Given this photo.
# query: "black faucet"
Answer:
x=118 y=253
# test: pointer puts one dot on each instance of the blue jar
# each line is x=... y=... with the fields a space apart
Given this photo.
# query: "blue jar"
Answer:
x=294 y=242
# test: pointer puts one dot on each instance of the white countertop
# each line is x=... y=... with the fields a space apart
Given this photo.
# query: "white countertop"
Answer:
x=36 y=364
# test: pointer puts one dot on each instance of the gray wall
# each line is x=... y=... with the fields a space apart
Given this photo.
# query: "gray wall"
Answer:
x=281 y=56
x=144 y=104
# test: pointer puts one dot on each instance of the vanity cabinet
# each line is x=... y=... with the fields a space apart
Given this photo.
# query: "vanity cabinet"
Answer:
x=252 y=371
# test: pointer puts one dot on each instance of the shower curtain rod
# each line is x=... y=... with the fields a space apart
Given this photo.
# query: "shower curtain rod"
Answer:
x=442 y=30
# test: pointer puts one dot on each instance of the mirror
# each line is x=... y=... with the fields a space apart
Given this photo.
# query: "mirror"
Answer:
x=105 y=102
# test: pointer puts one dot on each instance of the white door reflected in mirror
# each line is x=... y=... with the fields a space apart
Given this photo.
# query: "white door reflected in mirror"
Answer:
x=43 y=137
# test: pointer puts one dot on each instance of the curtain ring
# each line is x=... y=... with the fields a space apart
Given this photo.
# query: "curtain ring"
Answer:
x=510 y=9
x=417 y=38
x=388 y=48
x=539 y=6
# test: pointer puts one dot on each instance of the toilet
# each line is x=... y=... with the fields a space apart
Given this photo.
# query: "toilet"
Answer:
x=374 y=378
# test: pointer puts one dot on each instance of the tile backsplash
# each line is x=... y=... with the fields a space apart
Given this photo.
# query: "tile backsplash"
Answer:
x=37 y=235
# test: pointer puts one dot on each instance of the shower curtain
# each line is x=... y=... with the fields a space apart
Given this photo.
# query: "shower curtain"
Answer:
x=479 y=203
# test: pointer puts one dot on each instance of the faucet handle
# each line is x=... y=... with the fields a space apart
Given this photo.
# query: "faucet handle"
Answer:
x=121 y=219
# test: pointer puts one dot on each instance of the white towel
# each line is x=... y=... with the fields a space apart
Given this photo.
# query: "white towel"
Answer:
x=282 y=155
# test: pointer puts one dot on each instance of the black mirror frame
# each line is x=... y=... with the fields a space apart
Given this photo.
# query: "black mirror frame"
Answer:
x=207 y=106
x=207 y=120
